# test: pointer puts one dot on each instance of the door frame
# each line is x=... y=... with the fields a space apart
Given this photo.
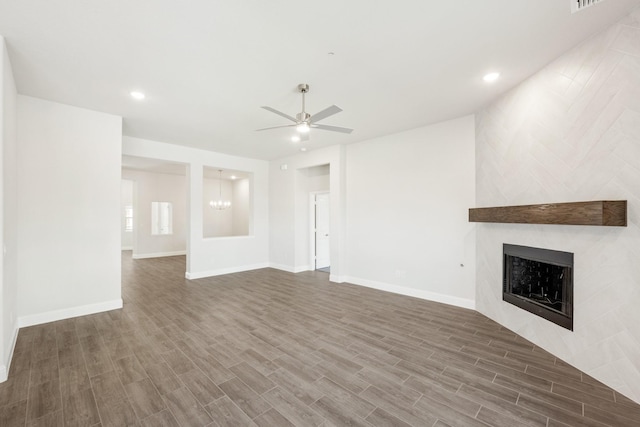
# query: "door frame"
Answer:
x=312 y=227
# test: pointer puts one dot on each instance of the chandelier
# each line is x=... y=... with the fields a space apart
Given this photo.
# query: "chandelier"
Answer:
x=220 y=204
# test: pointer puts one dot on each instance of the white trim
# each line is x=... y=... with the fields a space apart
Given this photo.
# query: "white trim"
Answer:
x=126 y=248
x=158 y=254
x=412 y=292
x=290 y=269
x=221 y=271
x=336 y=279
x=67 y=313
x=4 y=369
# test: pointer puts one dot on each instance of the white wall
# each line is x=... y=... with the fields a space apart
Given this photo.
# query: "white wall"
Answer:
x=126 y=199
x=408 y=196
x=241 y=207
x=318 y=178
x=571 y=133
x=69 y=224
x=208 y=257
x=8 y=212
x=398 y=212
x=158 y=187
x=289 y=212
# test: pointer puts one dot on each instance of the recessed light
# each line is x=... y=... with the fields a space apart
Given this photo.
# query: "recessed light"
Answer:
x=295 y=138
x=491 y=77
x=137 y=95
x=303 y=149
x=233 y=177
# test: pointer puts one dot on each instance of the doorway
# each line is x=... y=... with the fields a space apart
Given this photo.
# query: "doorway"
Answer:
x=321 y=232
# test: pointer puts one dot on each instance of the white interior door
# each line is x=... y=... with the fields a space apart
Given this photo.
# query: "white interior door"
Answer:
x=322 y=230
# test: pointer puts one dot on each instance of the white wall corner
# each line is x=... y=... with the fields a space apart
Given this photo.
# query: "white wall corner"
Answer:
x=68 y=313
x=202 y=274
x=336 y=279
x=412 y=292
x=290 y=269
x=4 y=369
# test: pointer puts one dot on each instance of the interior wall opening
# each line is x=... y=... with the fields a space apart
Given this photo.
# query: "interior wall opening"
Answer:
x=226 y=202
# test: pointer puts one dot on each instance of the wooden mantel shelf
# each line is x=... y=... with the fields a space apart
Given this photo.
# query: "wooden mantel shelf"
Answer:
x=600 y=212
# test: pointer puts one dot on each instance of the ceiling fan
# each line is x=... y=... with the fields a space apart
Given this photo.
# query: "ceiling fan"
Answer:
x=304 y=121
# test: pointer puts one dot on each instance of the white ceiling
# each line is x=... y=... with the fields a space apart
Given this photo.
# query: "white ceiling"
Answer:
x=142 y=164
x=207 y=66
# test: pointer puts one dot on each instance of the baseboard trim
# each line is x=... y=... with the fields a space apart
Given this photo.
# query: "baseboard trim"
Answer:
x=4 y=369
x=411 y=292
x=202 y=274
x=290 y=269
x=67 y=313
x=158 y=254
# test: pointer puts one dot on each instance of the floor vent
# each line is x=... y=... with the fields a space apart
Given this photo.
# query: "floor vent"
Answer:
x=578 y=5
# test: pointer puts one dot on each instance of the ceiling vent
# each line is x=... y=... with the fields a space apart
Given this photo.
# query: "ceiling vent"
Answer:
x=578 y=5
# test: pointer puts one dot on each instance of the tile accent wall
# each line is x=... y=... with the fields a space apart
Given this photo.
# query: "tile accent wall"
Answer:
x=571 y=133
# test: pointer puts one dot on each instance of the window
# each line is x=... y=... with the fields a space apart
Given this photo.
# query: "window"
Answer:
x=161 y=218
x=128 y=219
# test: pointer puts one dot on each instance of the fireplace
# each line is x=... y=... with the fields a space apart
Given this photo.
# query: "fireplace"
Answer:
x=539 y=281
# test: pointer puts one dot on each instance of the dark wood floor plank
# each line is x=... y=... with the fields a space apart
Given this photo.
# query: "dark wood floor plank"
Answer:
x=161 y=419
x=225 y=413
x=267 y=347
x=186 y=409
x=272 y=418
x=129 y=369
x=15 y=389
x=144 y=398
x=295 y=411
x=381 y=418
x=398 y=407
x=43 y=399
x=243 y=396
x=351 y=402
x=337 y=413
x=201 y=386
x=117 y=413
x=163 y=378
x=305 y=391
x=250 y=376
x=14 y=414
x=79 y=409
x=53 y=419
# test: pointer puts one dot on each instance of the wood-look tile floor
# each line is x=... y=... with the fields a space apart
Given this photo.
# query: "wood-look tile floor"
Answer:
x=269 y=348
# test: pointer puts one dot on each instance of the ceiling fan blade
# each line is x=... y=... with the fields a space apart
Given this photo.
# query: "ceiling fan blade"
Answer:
x=280 y=113
x=277 y=127
x=329 y=111
x=332 y=128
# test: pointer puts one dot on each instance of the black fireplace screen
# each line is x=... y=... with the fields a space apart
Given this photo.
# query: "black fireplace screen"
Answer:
x=539 y=281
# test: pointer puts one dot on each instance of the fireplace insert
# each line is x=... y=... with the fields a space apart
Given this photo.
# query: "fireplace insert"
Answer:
x=539 y=281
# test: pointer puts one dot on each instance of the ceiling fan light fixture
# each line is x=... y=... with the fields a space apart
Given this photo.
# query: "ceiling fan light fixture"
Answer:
x=137 y=95
x=303 y=127
x=491 y=77
x=220 y=204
